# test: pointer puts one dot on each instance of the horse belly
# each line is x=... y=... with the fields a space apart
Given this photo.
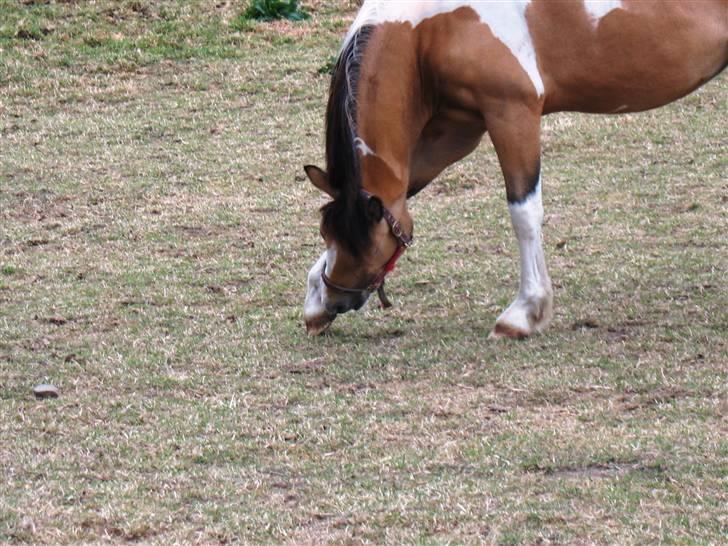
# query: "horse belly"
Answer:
x=641 y=56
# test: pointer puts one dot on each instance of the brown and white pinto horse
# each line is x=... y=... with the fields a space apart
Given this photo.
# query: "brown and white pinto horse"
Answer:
x=418 y=83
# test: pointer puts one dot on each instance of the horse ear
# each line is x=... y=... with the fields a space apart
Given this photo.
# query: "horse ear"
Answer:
x=375 y=209
x=320 y=179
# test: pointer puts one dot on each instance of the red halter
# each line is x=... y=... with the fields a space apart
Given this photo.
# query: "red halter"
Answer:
x=404 y=241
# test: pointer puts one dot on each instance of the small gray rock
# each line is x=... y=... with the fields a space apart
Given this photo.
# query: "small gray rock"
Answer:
x=45 y=391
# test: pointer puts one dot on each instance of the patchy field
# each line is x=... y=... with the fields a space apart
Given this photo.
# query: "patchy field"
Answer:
x=155 y=234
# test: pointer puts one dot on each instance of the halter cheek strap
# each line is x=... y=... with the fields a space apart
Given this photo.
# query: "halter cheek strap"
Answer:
x=378 y=282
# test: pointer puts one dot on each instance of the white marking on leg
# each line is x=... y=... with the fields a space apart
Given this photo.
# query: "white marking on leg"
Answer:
x=532 y=307
x=506 y=20
x=596 y=9
x=362 y=146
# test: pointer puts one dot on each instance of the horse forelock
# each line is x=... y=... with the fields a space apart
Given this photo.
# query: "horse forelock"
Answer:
x=345 y=218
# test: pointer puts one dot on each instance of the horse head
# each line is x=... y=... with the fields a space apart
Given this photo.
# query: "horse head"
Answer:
x=363 y=242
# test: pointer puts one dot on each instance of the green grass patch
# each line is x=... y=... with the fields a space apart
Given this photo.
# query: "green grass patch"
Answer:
x=9 y=270
x=269 y=10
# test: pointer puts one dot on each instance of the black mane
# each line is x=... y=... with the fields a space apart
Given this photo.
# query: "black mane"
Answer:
x=345 y=218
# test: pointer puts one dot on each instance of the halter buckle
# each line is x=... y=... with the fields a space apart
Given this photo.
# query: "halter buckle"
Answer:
x=396 y=228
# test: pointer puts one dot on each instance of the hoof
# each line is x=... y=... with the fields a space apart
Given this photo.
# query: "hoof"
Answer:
x=524 y=317
x=506 y=331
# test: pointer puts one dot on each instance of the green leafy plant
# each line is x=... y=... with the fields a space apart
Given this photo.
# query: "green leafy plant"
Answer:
x=267 y=10
x=328 y=66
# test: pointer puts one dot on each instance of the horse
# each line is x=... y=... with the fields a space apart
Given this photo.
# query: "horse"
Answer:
x=418 y=83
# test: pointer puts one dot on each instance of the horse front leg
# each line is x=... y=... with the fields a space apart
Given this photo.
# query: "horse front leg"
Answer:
x=515 y=132
x=533 y=307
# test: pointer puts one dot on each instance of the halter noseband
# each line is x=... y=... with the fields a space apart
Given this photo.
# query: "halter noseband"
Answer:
x=404 y=241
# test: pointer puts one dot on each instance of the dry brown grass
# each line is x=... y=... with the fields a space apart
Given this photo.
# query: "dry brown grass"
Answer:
x=155 y=233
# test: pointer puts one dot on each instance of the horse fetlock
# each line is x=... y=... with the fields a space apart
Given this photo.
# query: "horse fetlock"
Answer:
x=526 y=315
x=543 y=311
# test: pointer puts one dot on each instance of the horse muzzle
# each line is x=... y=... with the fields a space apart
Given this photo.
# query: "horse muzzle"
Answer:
x=319 y=320
x=318 y=324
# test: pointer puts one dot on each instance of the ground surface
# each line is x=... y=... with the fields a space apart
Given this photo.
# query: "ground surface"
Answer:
x=155 y=234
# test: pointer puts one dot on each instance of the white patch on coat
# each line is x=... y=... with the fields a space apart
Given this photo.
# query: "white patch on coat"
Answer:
x=506 y=20
x=315 y=304
x=535 y=288
x=362 y=146
x=596 y=9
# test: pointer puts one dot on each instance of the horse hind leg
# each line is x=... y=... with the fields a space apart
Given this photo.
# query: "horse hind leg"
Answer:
x=516 y=136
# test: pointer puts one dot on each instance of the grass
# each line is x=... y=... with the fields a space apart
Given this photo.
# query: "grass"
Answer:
x=268 y=10
x=155 y=234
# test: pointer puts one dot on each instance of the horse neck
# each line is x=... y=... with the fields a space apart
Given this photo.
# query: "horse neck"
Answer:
x=391 y=113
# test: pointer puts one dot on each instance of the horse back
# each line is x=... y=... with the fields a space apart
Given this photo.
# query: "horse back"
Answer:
x=607 y=56
x=643 y=55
